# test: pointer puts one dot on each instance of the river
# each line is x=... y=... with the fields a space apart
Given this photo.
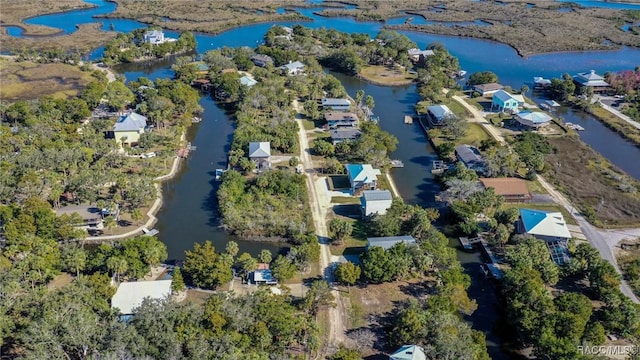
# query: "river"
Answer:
x=189 y=213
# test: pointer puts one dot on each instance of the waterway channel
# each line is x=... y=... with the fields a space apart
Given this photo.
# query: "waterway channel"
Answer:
x=189 y=213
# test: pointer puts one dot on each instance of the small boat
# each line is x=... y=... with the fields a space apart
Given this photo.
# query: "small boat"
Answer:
x=219 y=173
x=462 y=73
x=397 y=163
x=196 y=119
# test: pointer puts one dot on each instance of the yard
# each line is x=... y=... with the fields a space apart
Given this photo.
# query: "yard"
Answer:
x=386 y=75
x=28 y=80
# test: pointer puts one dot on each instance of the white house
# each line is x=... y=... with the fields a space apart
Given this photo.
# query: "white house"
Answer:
x=362 y=177
x=533 y=119
x=375 y=202
x=387 y=242
x=416 y=54
x=156 y=37
x=592 y=80
x=129 y=127
x=248 y=81
x=549 y=227
x=260 y=153
x=131 y=294
x=409 y=352
x=293 y=68
x=336 y=104
x=438 y=113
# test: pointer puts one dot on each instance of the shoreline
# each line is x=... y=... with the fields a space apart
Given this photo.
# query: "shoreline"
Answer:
x=379 y=83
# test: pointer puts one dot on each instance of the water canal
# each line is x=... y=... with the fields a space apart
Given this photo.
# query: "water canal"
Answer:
x=189 y=213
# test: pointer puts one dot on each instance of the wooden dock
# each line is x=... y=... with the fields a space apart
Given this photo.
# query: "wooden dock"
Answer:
x=467 y=244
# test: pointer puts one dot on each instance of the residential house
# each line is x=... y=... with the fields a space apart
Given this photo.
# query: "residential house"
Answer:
x=549 y=227
x=375 y=202
x=260 y=153
x=487 y=89
x=511 y=189
x=91 y=216
x=263 y=276
x=288 y=33
x=341 y=120
x=336 y=104
x=129 y=127
x=262 y=60
x=439 y=113
x=533 y=119
x=409 y=352
x=592 y=80
x=154 y=37
x=362 y=177
x=293 y=68
x=504 y=101
x=130 y=295
x=248 y=81
x=387 y=242
x=343 y=134
x=471 y=158
x=418 y=56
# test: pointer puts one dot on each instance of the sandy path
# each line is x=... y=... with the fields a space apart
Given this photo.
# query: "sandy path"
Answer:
x=320 y=204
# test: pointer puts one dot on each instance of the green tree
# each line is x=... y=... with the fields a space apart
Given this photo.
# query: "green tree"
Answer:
x=282 y=268
x=319 y=296
x=339 y=230
x=177 y=284
x=482 y=77
x=155 y=251
x=232 y=248
x=377 y=267
x=205 y=267
x=118 y=95
x=73 y=258
x=345 y=353
x=118 y=265
x=136 y=215
x=247 y=263
x=265 y=256
x=347 y=273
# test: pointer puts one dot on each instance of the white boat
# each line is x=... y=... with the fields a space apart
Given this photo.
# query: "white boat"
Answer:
x=462 y=73
x=219 y=173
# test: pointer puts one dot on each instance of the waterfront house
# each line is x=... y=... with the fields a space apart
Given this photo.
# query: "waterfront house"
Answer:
x=90 y=217
x=263 y=276
x=387 y=242
x=293 y=68
x=362 y=177
x=154 y=37
x=533 y=119
x=248 y=81
x=511 y=189
x=592 y=80
x=262 y=60
x=471 y=158
x=540 y=82
x=409 y=352
x=336 y=104
x=487 y=89
x=375 y=202
x=439 y=113
x=260 y=153
x=504 y=101
x=130 y=295
x=418 y=56
x=129 y=127
x=342 y=134
x=341 y=120
x=549 y=227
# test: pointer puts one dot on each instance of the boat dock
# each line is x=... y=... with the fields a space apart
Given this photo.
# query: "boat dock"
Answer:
x=219 y=173
x=397 y=163
x=184 y=152
x=467 y=243
x=574 y=126
x=438 y=167
x=151 y=232
x=491 y=268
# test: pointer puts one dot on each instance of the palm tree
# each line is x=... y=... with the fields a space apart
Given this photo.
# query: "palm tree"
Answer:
x=110 y=223
x=154 y=253
x=118 y=265
x=136 y=215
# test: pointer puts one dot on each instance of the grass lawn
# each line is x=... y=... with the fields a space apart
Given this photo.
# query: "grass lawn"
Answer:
x=543 y=207
x=308 y=124
x=385 y=75
x=344 y=200
x=354 y=244
x=453 y=105
x=535 y=187
x=28 y=80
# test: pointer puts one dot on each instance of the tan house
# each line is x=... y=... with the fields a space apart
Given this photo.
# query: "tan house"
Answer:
x=129 y=127
x=511 y=189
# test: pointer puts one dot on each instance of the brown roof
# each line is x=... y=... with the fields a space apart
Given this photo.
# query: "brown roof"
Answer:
x=506 y=186
x=336 y=116
x=488 y=87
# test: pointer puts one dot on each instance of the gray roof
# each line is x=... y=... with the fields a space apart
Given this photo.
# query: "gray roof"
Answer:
x=345 y=134
x=503 y=95
x=590 y=78
x=130 y=294
x=131 y=122
x=387 y=242
x=488 y=87
x=468 y=154
x=293 y=66
x=259 y=149
x=262 y=58
x=408 y=352
x=377 y=195
x=439 y=111
x=335 y=102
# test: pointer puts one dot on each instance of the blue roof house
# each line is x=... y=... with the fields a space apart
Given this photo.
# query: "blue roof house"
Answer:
x=362 y=177
x=503 y=101
x=549 y=227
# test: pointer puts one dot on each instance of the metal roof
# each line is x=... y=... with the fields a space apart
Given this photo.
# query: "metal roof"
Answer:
x=131 y=122
x=439 y=111
x=377 y=195
x=537 y=222
x=259 y=149
x=130 y=294
x=335 y=102
x=387 y=242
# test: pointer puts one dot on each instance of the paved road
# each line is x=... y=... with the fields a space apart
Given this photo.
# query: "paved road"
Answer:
x=478 y=118
x=617 y=113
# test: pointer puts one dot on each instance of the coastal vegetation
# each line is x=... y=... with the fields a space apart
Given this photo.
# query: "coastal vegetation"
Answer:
x=132 y=46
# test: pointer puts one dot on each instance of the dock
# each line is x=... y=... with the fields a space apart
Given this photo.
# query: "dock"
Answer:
x=219 y=173
x=397 y=163
x=467 y=244
x=408 y=119
x=490 y=268
x=196 y=119
x=574 y=126
x=151 y=232
x=438 y=167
